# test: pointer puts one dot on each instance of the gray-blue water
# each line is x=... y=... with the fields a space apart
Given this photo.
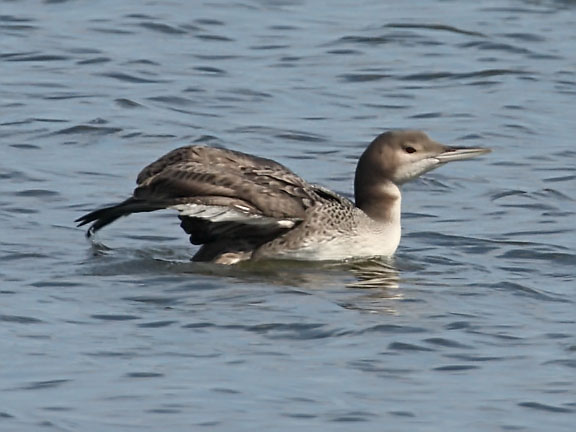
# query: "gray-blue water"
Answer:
x=472 y=329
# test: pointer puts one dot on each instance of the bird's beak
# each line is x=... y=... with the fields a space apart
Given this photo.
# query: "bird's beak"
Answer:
x=460 y=153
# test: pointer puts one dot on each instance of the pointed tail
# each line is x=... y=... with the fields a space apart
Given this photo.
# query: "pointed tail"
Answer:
x=107 y=215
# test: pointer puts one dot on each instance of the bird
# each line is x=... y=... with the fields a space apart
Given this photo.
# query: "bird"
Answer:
x=241 y=207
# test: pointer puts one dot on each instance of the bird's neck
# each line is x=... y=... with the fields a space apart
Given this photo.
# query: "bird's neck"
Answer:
x=381 y=201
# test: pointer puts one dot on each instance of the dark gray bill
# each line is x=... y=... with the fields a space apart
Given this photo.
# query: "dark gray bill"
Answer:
x=461 y=153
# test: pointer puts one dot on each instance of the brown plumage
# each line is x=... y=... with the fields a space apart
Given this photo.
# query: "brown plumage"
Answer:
x=239 y=206
x=227 y=179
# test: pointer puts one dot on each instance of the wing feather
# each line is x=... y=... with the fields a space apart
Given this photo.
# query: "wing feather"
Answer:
x=224 y=197
x=196 y=172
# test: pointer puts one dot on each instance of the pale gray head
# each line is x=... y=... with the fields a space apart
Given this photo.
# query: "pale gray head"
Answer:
x=397 y=157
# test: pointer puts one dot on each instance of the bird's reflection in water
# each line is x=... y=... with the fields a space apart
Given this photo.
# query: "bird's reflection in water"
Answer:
x=370 y=285
x=377 y=284
x=375 y=273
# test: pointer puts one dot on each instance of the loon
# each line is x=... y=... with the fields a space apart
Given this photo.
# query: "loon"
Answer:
x=243 y=207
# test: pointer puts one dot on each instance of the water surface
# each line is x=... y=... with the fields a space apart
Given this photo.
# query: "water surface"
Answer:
x=470 y=328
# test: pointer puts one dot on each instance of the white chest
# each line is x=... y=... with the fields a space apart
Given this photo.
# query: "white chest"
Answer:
x=383 y=242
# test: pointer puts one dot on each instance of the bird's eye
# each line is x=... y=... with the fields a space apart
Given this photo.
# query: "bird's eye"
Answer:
x=409 y=149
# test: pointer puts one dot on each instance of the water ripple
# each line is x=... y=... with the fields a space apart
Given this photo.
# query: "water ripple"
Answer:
x=162 y=28
x=88 y=130
x=545 y=407
x=439 y=27
x=19 y=319
x=450 y=75
x=121 y=76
